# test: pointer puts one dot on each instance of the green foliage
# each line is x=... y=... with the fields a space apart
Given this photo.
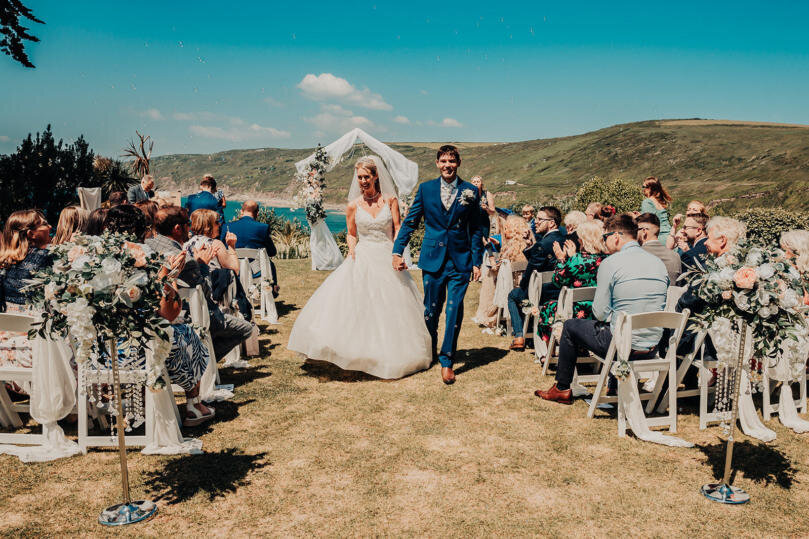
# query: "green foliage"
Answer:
x=112 y=175
x=44 y=174
x=14 y=32
x=621 y=194
x=765 y=225
x=291 y=240
x=342 y=242
x=268 y=216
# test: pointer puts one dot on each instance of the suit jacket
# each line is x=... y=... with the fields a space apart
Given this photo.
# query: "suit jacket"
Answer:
x=698 y=252
x=669 y=258
x=201 y=201
x=456 y=233
x=540 y=256
x=250 y=234
x=137 y=194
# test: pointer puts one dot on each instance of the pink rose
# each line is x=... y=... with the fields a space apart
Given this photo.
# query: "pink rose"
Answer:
x=745 y=277
x=137 y=253
x=75 y=252
x=727 y=294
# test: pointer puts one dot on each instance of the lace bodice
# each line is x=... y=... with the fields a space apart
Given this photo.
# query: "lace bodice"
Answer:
x=377 y=229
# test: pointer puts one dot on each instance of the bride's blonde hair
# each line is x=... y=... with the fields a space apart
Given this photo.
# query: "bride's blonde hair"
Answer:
x=370 y=165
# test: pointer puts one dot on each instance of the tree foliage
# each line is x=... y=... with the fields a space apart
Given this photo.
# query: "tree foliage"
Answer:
x=112 y=175
x=765 y=225
x=621 y=194
x=44 y=174
x=13 y=33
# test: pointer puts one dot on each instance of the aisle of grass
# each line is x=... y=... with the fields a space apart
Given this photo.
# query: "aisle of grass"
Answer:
x=307 y=450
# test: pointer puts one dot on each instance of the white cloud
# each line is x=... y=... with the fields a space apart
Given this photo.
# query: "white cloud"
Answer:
x=334 y=118
x=4 y=138
x=238 y=132
x=329 y=87
x=401 y=120
x=192 y=116
x=450 y=122
x=273 y=102
x=152 y=114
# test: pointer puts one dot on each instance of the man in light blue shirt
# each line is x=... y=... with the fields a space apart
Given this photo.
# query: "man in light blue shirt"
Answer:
x=631 y=280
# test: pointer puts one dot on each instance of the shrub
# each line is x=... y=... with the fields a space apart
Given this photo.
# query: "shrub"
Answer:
x=624 y=196
x=342 y=242
x=268 y=216
x=764 y=225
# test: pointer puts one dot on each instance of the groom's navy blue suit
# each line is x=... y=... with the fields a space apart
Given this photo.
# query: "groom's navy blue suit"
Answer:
x=452 y=246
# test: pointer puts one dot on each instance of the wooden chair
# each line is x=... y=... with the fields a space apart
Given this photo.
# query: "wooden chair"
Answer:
x=634 y=322
x=9 y=410
x=267 y=309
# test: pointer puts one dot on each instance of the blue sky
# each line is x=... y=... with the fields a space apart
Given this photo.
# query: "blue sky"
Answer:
x=200 y=77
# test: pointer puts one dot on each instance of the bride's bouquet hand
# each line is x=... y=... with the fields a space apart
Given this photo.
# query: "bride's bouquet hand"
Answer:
x=351 y=254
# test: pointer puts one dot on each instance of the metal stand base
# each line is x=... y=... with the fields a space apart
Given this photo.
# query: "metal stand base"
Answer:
x=127 y=513
x=724 y=493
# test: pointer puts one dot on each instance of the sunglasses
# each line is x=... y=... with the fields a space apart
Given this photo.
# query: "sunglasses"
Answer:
x=608 y=234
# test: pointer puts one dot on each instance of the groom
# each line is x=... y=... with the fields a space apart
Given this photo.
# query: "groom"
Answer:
x=451 y=249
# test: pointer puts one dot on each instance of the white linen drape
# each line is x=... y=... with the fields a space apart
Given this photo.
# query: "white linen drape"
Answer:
x=323 y=249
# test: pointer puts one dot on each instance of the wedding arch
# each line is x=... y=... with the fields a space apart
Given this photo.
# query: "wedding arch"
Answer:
x=324 y=251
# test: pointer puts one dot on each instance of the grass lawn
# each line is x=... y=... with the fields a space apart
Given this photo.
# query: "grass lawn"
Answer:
x=310 y=450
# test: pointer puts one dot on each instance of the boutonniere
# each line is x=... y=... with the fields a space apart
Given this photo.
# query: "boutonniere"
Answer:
x=467 y=196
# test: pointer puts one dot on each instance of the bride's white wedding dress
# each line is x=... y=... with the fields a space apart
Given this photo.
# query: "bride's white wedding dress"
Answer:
x=366 y=316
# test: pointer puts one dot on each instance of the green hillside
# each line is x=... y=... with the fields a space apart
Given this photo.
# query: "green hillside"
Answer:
x=735 y=164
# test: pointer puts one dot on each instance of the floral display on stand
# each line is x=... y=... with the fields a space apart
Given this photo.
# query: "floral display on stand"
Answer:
x=312 y=184
x=104 y=288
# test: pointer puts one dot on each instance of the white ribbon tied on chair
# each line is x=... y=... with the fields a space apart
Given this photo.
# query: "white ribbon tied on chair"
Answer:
x=53 y=396
x=268 y=310
x=504 y=284
x=629 y=397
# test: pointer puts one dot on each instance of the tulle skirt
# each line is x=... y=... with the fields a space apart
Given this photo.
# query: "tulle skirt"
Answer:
x=366 y=317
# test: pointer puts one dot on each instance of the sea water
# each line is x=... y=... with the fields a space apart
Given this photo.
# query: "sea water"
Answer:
x=335 y=220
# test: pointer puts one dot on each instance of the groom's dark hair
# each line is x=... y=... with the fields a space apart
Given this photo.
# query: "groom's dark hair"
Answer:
x=448 y=149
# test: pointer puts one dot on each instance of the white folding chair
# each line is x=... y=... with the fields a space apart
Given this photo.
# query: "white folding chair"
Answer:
x=9 y=410
x=137 y=376
x=535 y=284
x=568 y=297
x=267 y=310
x=770 y=408
x=692 y=359
x=200 y=316
x=634 y=322
x=673 y=295
x=503 y=286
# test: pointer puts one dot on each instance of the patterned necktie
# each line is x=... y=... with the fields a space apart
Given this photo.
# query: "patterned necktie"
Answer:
x=446 y=194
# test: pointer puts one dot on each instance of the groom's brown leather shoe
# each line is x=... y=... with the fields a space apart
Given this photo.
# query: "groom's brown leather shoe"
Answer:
x=555 y=394
x=447 y=375
x=518 y=344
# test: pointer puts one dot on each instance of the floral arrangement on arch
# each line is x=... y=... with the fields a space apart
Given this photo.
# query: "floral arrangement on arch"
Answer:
x=104 y=288
x=760 y=286
x=312 y=183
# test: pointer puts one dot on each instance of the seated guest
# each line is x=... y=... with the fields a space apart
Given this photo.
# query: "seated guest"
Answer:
x=795 y=244
x=205 y=229
x=149 y=209
x=95 y=222
x=572 y=220
x=695 y=207
x=141 y=191
x=648 y=227
x=171 y=229
x=694 y=229
x=23 y=251
x=630 y=280
x=205 y=199
x=73 y=219
x=188 y=359
x=116 y=199
x=250 y=234
x=574 y=270
x=540 y=258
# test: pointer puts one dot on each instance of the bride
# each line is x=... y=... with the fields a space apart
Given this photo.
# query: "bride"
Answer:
x=366 y=316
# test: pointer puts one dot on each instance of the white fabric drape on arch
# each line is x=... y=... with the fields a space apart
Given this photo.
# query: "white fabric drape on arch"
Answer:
x=405 y=173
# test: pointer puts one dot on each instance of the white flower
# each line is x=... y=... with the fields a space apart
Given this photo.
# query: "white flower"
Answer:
x=80 y=262
x=763 y=296
x=725 y=281
x=765 y=312
x=110 y=266
x=765 y=271
x=467 y=196
x=790 y=299
x=742 y=301
x=754 y=257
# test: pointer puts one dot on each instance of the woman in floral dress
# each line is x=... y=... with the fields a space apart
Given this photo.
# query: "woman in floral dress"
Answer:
x=574 y=270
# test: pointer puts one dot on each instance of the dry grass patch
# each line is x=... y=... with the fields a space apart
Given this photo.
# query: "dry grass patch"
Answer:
x=306 y=449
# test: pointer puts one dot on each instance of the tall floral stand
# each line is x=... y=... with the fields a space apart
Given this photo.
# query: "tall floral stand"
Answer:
x=724 y=492
x=127 y=512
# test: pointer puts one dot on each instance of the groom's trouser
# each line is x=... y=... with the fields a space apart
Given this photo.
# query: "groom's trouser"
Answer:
x=445 y=284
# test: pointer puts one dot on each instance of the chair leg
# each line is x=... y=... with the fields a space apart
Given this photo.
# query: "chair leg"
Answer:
x=621 y=417
x=602 y=377
x=82 y=422
x=549 y=354
x=703 y=398
x=802 y=393
x=673 y=384
x=7 y=408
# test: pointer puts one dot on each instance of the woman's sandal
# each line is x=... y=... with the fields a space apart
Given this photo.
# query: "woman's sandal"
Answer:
x=198 y=417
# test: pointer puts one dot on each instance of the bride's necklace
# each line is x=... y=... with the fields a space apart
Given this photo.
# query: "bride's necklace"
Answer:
x=371 y=200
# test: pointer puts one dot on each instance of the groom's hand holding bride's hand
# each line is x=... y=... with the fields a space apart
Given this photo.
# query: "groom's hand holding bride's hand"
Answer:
x=475 y=273
x=399 y=263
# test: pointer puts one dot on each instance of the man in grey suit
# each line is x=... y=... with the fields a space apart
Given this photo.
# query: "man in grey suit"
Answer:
x=648 y=229
x=142 y=191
